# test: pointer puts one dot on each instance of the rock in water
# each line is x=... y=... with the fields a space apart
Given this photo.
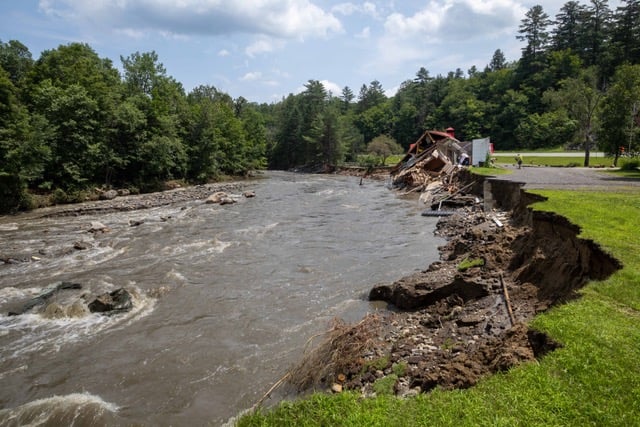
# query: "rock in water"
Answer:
x=227 y=201
x=97 y=227
x=216 y=197
x=44 y=297
x=114 y=302
x=79 y=245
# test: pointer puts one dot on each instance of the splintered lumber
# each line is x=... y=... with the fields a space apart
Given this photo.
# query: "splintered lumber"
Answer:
x=507 y=301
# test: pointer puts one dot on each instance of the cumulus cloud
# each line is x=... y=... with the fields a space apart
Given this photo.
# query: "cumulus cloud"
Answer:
x=252 y=76
x=262 y=45
x=277 y=18
x=366 y=8
x=457 y=19
x=332 y=87
x=421 y=36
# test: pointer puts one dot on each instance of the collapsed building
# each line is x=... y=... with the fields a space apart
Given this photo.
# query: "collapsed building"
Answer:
x=434 y=154
x=430 y=167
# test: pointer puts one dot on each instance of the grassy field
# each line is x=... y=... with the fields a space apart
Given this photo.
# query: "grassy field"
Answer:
x=593 y=380
x=548 y=159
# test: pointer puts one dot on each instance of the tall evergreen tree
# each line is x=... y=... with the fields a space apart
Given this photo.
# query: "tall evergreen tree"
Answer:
x=498 y=61
x=626 y=32
x=597 y=22
x=347 y=98
x=534 y=31
x=570 y=30
x=370 y=96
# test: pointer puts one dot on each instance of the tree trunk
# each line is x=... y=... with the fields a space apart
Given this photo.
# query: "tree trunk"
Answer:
x=587 y=145
x=586 y=152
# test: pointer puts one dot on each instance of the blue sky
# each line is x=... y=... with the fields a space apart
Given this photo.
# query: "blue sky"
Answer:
x=265 y=49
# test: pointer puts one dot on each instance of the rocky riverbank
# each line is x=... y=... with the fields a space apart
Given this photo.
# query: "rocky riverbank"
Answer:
x=144 y=201
x=465 y=316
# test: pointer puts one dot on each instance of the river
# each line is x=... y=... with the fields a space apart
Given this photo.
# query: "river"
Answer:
x=225 y=298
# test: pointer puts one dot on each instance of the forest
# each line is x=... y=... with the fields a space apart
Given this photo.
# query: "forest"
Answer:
x=71 y=122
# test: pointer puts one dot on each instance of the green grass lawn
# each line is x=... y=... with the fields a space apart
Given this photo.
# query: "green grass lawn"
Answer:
x=593 y=380
x=533 y=160
x=486 y=171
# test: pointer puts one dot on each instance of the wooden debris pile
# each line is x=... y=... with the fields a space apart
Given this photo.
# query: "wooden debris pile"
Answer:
x=424 y=168
x=429 y=158
x=429 y=167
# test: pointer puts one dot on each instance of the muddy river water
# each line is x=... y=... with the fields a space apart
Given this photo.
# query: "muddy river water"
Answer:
x=225 y=298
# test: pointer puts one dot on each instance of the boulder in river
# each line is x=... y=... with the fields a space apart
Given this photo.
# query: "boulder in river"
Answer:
x=227 y=201
x=117 y=301
x=98 y=227
x=80 y=245
x=44 y=297
x=216 y=197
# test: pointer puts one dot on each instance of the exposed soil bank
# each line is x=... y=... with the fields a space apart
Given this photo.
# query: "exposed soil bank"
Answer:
x=449 y=326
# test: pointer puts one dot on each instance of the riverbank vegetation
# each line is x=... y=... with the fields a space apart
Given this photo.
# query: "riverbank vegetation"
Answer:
x=594 y=379
x=70 y=121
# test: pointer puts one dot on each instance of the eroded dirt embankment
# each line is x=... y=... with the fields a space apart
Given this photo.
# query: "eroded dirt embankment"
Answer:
x=449 y=326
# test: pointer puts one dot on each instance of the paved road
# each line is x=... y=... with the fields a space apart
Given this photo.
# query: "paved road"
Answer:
x=593 y=154
x=570 y=178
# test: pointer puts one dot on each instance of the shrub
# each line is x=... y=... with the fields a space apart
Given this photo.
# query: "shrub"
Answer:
x=630 y=165
x=367 y=161
x=400 y=369
x=59 y=196
x=385 y=385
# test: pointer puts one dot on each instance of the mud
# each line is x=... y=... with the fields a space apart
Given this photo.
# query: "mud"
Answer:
x=449 y=326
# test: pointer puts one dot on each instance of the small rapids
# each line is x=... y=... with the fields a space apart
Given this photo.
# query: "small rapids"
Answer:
x=224 y=298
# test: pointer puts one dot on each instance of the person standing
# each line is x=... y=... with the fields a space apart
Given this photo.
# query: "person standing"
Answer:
x=519 y=160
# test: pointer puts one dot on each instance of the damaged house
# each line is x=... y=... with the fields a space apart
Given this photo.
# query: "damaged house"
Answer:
x=434 y=154
x=430 y=167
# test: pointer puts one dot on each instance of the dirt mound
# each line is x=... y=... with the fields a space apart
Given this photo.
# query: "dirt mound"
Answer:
x=466 y=316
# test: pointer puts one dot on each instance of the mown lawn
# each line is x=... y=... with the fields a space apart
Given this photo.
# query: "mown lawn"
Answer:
x=556 y=161
x=593 y=380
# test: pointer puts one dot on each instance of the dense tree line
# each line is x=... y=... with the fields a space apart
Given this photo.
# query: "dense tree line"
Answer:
x=70 y=121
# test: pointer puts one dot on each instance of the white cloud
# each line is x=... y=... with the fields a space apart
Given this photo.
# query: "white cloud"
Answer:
x=263 y=45
x=332 y=87
x=347 y=9
x=446 y=29
x=278 y=18
x=252 y=76
x=224 y=52
x=426 y=21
